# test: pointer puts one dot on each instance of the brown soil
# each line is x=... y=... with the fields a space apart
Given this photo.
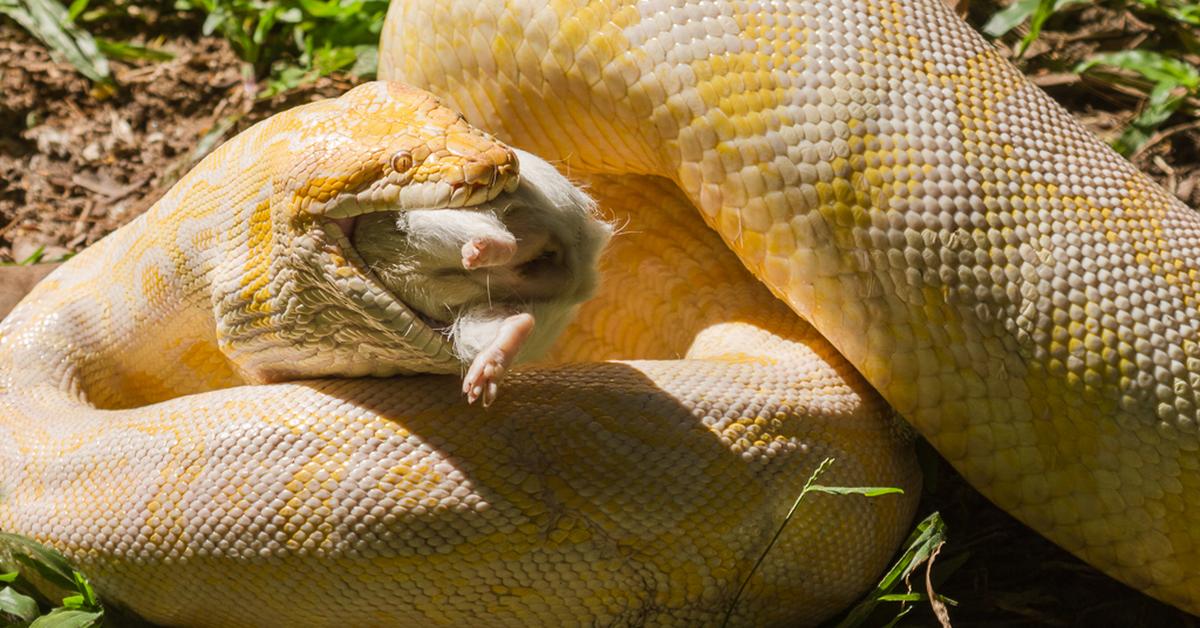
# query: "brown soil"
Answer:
x=73 y=167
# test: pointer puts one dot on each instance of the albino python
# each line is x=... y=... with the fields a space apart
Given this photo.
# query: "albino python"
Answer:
x=1007 y=283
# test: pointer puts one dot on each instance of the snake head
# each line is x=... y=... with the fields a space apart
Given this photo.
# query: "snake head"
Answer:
x=386 y=147
x=293 y=297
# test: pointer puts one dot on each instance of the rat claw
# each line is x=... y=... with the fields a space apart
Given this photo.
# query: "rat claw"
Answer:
x=470 y=378
x=488 y=368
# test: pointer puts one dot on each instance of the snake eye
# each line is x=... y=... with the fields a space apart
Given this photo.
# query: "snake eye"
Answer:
x=402 y=161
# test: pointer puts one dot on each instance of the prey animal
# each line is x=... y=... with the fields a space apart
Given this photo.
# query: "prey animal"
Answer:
x=501 y=279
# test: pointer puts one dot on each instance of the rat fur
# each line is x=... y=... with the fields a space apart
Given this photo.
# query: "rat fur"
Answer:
x=471 y=272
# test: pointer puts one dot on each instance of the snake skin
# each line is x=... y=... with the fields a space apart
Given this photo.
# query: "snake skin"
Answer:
x=1014 y=288
x=1007 y=283
x=141 y=433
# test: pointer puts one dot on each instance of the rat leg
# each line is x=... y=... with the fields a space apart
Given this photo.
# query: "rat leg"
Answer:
x=488 y=368
x=488 y=250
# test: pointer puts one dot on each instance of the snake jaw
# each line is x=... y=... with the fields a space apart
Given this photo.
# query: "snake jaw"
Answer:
x=422 y=156
x=398 y=192
x=354 y=277
x=379 y=147
x=415 y=178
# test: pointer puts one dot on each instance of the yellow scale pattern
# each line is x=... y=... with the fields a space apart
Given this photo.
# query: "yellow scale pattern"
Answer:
x=1011 y=286
x=622 y=492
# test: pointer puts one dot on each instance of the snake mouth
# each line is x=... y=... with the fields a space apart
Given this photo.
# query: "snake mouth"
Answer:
x=340 y=221
x=343 y=210
x=374 y=297
x=345 y=229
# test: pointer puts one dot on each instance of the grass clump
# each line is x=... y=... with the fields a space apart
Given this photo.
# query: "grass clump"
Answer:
x=283 y=44
x=1147 y=50
x=40 y=589
x=293 y=42
x=810 y=486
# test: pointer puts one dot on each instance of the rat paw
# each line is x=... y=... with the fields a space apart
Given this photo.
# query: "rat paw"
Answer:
x=482 y=252
x=490 y=365
x=484 y=376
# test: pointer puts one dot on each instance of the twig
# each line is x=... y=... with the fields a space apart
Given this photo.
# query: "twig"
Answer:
x=791 y=511
x=939 y=607
x=1163 y=135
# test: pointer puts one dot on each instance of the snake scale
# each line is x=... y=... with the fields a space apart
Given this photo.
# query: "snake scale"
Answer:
x=874 y=182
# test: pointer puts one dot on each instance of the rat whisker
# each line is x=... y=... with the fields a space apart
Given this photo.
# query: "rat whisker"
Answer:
x=621 y=228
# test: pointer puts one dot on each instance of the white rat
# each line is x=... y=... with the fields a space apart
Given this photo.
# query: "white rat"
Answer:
x=484 y=275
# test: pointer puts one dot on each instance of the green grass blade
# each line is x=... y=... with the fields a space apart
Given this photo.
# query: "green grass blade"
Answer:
x=1188 y=13
x=69 y=618
x=1154 y=66
x=868 y=491
x=1036 y=11
x=1042 y=11
x=17 y=605
x=90 y=601
x=901 y=597
x=927 y=536
x=34 y=257
x=126 y=51
x=809 y=487
x=50 y=22
x=1010 y=18
x=77 y=7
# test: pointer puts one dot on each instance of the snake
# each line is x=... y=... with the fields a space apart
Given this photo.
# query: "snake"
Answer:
x=832 y=213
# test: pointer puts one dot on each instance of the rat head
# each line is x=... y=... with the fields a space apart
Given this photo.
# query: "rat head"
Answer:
x=292 y=297
x=534 y=249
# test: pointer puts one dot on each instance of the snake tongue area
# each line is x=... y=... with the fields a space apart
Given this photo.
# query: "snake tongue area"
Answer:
x=1013 y=287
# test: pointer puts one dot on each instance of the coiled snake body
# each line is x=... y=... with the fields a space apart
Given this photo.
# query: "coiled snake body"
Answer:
x=1009 y=285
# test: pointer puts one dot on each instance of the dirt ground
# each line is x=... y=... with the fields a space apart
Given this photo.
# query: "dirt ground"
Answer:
x=73 y=168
